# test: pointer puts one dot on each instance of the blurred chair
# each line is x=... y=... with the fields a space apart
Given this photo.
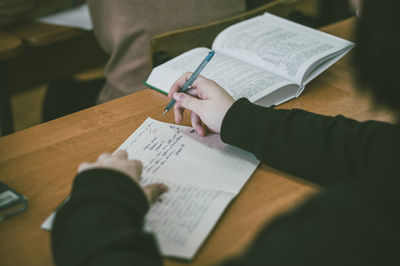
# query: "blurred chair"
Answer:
x=49 y=52
x=168 y=45
x=10 y=46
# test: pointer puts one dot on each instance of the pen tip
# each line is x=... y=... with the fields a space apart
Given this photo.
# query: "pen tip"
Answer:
x=165 y=111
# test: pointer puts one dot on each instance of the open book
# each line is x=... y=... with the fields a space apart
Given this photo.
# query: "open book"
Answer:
x=203 y=175
x=266 y=59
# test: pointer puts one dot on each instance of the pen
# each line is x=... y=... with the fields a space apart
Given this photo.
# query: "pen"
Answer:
x=192 y=78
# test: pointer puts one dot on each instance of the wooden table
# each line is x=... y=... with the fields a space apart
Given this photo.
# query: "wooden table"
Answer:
x=41 y=161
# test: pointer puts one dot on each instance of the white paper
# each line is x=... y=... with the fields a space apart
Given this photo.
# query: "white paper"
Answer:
x=266 y=59
x=278 y=45
x=184 y=216
x=48 y=223
x=238 y=78
x=177 y=153
x=203 y=175
x=78 y=17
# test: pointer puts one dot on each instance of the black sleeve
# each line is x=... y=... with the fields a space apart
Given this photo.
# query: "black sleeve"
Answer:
x=102 y=223
x=338 y=227
x=318 y=148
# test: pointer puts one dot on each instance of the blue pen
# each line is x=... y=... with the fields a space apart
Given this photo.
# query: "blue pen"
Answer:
x=190 y=81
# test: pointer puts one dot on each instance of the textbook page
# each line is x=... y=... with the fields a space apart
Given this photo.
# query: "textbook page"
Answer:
x=238 y=78
x=279 y=45
x=203 y=174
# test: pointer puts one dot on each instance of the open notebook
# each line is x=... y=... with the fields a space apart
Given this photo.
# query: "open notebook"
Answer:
x=203 y=175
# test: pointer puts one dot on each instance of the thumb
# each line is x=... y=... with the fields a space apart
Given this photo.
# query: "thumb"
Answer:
x=188 y=102
x=153 y=191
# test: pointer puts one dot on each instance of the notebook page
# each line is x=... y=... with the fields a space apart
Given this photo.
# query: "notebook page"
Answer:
x=184 y=216
x=203 y=175
x=178 y=154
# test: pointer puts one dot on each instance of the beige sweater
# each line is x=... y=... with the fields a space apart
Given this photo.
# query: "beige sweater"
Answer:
x=124 y=28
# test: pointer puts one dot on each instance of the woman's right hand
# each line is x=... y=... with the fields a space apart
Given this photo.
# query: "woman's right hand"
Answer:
x=207 y=101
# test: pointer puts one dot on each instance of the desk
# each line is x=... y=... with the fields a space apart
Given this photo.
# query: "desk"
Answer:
x=41 y=161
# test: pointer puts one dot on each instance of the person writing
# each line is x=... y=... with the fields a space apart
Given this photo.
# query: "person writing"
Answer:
x=352 y=221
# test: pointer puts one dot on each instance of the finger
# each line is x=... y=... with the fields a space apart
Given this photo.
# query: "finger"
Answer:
x=153 y=191
x=207 y=88
x=192 y=91
x=104 y=156
x=136 y=168
x=188 y=102
x=84 y=166
x=121 y=154
x=177 y=85
x=197 y=124
x=198 y=81
x=178 y=113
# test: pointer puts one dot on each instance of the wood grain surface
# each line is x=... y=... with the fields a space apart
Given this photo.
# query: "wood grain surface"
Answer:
x=40 y=162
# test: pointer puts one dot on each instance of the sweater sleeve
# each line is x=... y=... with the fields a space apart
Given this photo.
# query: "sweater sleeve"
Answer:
x=102 y=223
x=322 y=149
x=337 y=227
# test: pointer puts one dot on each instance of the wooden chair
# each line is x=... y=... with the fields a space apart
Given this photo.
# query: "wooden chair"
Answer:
x=10 y=46
x=49 y=52
x=168 y=45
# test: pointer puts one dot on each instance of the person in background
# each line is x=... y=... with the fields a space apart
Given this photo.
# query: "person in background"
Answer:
x=352 y=221
x=124 y=28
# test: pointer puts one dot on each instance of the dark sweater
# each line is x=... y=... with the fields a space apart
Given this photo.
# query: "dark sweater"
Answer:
x=353 y=221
